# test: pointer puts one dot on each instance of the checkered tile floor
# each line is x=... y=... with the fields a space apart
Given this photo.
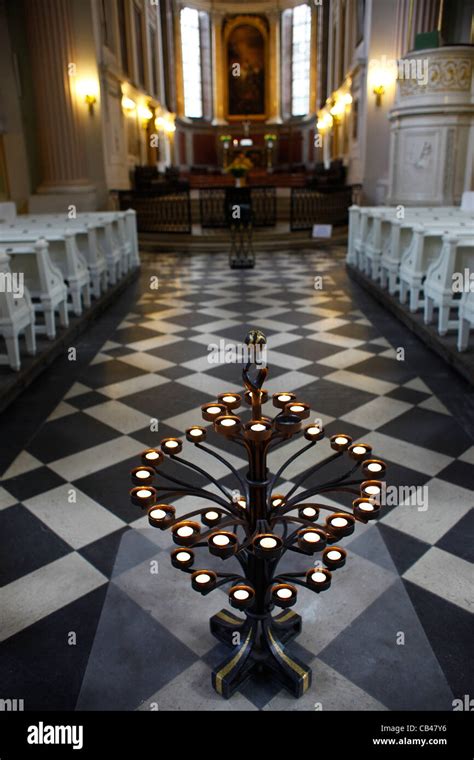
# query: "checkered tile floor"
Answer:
x=84 y=621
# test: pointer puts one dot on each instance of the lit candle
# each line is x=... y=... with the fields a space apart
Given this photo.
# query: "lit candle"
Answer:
x=359 y=449
x=374 y=467
x=202 y=578
x=309 y=512
x=258 y=427
x=183 y=556
x=341 y=440
x=158 y=514
x=284 y=593
x=212 y=515
x=366 y=506
x=241 y=594
x=171 y=444
x=314 y=430
x=276 y=502
x=152 y=455
x=296 y=408
x=143 y=474
x=311 y=538
x=339 y=522
x=228 y=423
x=143 y=493
x=318 y=577
x=268 y=542
x=229 y=399
x=372 y=490
x=195 y=432
x=242 y=503
x=213 y=410
x=284 y=397
x=334 y=555
x=220 y=540
x=185 y=531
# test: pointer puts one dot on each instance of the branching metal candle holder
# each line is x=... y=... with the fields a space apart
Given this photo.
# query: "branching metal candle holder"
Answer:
x=259 y=526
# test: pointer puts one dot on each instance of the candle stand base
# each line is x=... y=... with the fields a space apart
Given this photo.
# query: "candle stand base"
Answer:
x=258 y=645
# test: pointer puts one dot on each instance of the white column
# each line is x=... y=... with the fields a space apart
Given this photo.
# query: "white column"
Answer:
x=60 y=138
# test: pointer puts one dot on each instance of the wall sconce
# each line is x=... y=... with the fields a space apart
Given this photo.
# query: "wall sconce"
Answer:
x=91 y=100
x=378 y=90
x=87 y=90
x=165 y=124
x=381 y=77
x=128 y=105
x=145 y=115
x=325 y=121
x=337 y=110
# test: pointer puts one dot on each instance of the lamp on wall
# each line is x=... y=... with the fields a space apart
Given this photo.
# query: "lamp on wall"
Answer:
x=380 y=77
x=325 y=120
x=88 y=90
x=164 y=122
x=144 y=114
x=259 y=526
x=128 y=105
x=378 y=90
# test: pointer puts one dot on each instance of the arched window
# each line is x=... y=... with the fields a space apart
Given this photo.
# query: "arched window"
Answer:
x=191 y=57
x=300 y=59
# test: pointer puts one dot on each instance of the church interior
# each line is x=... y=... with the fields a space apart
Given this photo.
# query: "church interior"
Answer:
x=225 y=224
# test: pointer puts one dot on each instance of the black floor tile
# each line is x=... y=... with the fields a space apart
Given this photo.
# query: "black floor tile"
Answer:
x=449 y=630
x=404 y=550
x=65 y=436
x=30 y=484
x=105 y=554
x=429 y=429
x=40 y=666
x=460 y=539
x=106 y=373
x=26 y=544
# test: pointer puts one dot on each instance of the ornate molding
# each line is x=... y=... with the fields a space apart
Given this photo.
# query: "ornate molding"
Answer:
x=444 y=75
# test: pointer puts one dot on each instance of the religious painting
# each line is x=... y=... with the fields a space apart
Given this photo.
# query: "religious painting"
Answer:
x=246 y=71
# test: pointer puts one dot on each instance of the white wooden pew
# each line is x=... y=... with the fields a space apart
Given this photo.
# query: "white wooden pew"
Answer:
x=456 y=256
x=16 y=316
x=363 y=241
x=87 y=239
x=44 y=281
x=424 y=247
x=466 y=319
x=65 y=254
x=400 y=239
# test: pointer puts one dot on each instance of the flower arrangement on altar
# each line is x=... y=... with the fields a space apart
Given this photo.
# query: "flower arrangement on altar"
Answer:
x=239 y=167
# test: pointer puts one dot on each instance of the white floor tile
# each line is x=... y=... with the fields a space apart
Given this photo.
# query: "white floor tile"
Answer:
x=133 y=385
x=361 y=382
x=119 y=416
x=444 y=574
x=447 y=504
x=91 y=460
x=78 y=523
x=32 y=597
x=377 y=412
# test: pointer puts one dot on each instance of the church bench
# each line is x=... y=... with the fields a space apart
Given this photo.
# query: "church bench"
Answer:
x=44 y=281
x=466 y=319
x=423 y=249
x=64 y=253
x=87 y=233
x=362 y=230
x=456 y=258
x=399 y=240
x=17 y=316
